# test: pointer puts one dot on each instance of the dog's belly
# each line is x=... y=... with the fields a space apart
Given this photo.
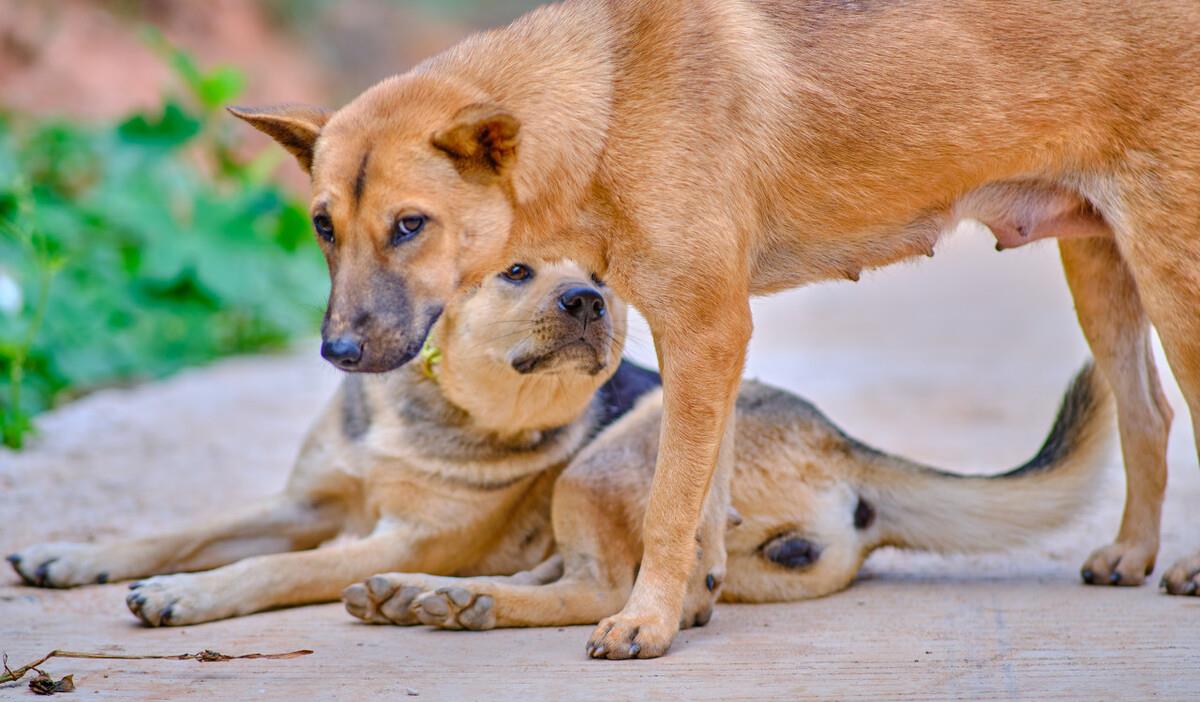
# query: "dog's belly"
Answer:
x=1017 y=212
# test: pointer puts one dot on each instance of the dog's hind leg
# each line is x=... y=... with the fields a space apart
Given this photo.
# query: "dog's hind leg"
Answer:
x=283 y=523
x=1110 y=311
x=1164 y=255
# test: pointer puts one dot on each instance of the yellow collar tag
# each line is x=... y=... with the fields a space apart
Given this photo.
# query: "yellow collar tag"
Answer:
x=430 y=357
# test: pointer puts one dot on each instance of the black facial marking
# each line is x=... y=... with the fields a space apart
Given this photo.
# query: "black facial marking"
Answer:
x=360 y=180
x=864 y=514
x=623 y=390
x=356 y=415
x=791 y=551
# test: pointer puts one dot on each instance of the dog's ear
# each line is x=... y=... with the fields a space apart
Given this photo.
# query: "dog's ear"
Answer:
x=295 y=127
x=482 y=140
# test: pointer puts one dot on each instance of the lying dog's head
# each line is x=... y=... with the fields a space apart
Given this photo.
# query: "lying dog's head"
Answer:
x=530 y=346
x=412 y=202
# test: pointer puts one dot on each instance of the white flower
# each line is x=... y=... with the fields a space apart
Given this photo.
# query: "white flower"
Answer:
x=10 y=294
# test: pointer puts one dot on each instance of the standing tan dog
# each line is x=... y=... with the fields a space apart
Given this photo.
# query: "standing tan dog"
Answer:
x=697 y=152
x=450 y=466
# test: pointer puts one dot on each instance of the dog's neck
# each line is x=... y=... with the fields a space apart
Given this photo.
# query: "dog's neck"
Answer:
x=552 y=68
x=496 y=399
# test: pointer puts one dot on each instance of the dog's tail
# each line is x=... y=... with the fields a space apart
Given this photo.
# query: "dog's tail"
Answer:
x=924 y=508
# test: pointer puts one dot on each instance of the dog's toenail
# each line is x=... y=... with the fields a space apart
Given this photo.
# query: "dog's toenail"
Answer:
x=14 y=559
x=1190 y=589
x=634 y=649
x=1088 y=576
x=710 y=582
x=102 y=578
x=166 y=614
x=43 y=571
x=1162 y=583
x=136 y=584
x=1115 y=578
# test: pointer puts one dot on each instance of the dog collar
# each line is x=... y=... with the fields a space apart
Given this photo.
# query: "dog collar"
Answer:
x=431 y=356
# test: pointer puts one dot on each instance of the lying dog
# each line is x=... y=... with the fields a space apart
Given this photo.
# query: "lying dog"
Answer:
x=450 y=475
x=697 y=152
x=449 y=465
x=810 y=504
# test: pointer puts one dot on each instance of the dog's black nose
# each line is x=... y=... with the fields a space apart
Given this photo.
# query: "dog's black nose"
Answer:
x=584 y=304
x=343 y=352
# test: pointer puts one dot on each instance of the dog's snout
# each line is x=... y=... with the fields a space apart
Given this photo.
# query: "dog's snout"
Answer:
x=342 y=351
x=584 y=304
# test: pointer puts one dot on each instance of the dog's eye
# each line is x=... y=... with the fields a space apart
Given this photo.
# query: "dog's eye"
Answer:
x=408 y=227
x=596 y=279
x=324 y=226
x=517 y=273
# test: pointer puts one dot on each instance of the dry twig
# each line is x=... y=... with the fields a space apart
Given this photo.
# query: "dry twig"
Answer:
x=44 y=682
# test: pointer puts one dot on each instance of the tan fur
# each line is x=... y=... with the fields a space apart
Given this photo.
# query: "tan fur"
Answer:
x=449 y=476
x=799 y=483
x=459 y=475
x=695 y=152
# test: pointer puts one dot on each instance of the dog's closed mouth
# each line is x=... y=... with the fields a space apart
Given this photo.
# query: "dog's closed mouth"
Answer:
x=531 y=363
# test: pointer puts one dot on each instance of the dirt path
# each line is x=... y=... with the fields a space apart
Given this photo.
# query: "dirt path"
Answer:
x=957 y=361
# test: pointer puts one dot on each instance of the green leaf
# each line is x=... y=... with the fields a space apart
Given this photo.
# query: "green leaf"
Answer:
x=174 y=127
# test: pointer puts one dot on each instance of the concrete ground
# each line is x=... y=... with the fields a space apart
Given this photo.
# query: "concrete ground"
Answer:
x=957 y=361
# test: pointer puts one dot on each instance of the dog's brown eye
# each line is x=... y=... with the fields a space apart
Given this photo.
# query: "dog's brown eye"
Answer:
x=596 y=280
x=407 y=227
x=324 y=226
x=517 y=273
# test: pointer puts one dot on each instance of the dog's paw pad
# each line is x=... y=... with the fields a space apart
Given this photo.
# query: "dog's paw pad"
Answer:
x=1183 y=577
x=1118 y=564
x=455 y=608
x=382 y=599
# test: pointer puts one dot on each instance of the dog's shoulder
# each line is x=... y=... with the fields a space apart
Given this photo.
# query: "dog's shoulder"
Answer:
x=622 y=391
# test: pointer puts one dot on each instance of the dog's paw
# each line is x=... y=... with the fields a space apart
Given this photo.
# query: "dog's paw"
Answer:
x=383 y=599
x=1118 y=564
x=60 y=565
x=1183 y=577
x=177 y=600
x=631 y=635
x=455 y=608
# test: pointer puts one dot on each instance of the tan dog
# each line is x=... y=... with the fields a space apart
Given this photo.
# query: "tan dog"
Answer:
x=451 y=475
x=449 y=466
x=810 y=504
x=697 y=152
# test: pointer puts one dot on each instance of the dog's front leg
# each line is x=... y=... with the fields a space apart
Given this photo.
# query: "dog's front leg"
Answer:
x=266 y=582
x=702 y=348
x=281 y=523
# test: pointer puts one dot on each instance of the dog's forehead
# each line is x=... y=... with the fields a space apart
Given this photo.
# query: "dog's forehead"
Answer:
x=562 y=270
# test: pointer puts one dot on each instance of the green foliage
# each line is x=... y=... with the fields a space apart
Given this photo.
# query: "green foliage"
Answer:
x=142 y=248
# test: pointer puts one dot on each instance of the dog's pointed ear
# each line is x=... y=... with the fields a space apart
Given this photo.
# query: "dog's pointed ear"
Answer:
x=295 y=127
x=482 y=140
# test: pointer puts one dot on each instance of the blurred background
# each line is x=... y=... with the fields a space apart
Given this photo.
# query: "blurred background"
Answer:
x=141 y=229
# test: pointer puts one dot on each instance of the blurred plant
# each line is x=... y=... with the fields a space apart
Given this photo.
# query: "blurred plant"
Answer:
x=132 y=251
